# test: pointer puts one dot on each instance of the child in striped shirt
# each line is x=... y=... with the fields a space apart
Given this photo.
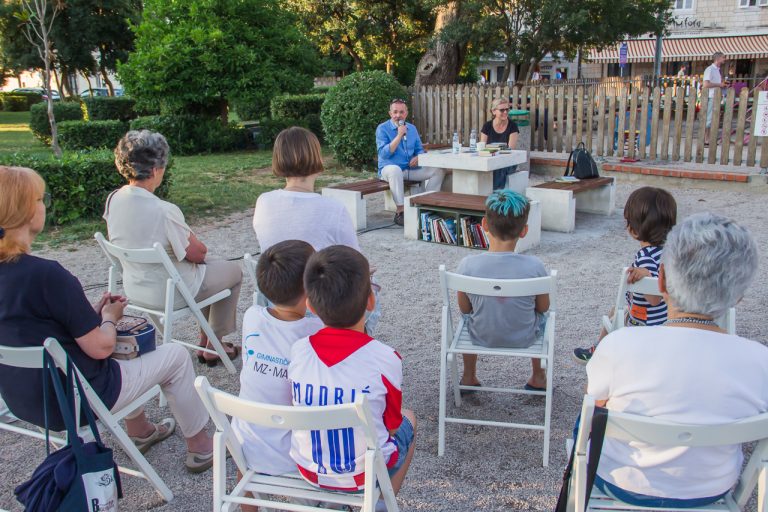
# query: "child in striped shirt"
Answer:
x=650 y=213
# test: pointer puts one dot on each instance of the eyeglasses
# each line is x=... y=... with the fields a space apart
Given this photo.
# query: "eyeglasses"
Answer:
x=47 y=199
x=397 y=100
x=503 y=109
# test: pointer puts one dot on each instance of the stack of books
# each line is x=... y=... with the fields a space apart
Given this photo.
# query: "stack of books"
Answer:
x=472 y=232
x=435 y=228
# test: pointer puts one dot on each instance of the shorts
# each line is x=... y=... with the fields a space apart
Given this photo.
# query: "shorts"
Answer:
x=403 y=439
x=710 y=108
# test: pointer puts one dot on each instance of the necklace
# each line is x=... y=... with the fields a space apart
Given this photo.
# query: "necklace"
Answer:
x=692 y=320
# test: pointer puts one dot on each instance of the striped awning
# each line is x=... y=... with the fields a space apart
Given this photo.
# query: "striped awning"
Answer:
x=688 y=48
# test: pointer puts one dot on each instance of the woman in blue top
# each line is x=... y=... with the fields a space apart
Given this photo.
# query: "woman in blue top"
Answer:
x=41 y=299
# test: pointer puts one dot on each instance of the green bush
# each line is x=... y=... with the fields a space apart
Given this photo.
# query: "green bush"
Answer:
x=74 y=135
x=321 y=89
x=188 y=134
x=79 y=183
x=269 y=128
x=14 y=103
x=62 y=111
x=296 y=106
x=29 y=99
x=351 y=112
x=104 y=108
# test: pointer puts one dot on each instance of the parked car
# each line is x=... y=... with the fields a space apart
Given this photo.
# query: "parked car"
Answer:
x=40 y=91
x=99 y=91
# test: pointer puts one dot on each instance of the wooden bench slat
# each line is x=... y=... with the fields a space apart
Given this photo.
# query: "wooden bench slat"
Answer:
x=371 y=186
x=577 y=186
x=451 y=200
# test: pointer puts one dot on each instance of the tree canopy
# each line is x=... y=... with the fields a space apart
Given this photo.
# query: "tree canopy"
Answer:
x=201 y=56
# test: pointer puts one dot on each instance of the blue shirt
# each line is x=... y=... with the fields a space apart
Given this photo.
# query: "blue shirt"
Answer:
x=640 y=309
x=407 y=149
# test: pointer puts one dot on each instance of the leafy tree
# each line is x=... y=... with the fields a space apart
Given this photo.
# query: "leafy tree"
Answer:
x=201 y=56
x=374 y=33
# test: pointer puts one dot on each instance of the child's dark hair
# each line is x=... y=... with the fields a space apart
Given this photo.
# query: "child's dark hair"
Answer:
x=338 y=282
x=280 y=271
x=651 y=213
x=506 y=213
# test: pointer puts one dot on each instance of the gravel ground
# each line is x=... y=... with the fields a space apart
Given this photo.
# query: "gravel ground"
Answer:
x=484 y=468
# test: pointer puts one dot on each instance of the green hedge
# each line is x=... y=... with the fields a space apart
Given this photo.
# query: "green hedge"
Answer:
x=269 y=128
x=351 y=112
x=14 y=103
x=74 y=135
x=62 y=111
x=296 y=106
x=188 y=134
x=79 y=183
x=30 y=98
x=104 y=108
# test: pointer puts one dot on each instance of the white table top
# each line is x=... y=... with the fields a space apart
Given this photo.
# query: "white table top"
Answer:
x=471 y=161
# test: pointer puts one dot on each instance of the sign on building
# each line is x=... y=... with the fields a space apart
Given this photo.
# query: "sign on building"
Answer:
x=761 y=116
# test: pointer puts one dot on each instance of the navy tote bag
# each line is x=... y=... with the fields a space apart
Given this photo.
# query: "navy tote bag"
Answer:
x=80 y=476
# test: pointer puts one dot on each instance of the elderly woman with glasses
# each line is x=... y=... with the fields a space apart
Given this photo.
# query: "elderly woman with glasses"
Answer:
x=137 y=218
x=687 y=371
x=500 y=130
x=39 y=299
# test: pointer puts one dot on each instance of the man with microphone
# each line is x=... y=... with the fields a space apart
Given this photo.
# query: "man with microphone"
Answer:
x=399 y=146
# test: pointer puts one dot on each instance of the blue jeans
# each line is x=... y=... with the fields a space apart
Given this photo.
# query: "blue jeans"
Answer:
x=500 y=176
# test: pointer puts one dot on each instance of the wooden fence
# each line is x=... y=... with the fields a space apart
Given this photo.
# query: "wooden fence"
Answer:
x=664 y=122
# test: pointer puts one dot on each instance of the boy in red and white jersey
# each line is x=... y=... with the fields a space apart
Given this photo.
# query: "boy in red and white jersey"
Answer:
x=338 y=363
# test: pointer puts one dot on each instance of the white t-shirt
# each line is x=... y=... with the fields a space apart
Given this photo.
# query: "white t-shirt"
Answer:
x=287 y=215
x=332 y=367
x=712 y=73
x=136 y=219
x=681 y=375
x=264 y=378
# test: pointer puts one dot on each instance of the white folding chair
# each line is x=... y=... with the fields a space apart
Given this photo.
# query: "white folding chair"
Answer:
x=107 y=421
x=164 y=318
x=650 y=286
x=458 y=341
x=357 y=415
x=249 y=262
x=631 y=427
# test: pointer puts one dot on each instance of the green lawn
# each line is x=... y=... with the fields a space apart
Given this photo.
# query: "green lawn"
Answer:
x=204 y=186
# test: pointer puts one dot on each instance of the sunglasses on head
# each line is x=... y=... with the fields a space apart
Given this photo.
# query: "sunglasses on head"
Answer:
x=397 y=100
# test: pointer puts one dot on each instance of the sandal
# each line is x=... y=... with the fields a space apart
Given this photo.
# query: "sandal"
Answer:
x=200 y=354
x=145 y=443
x=213 y=359
x=470 y=391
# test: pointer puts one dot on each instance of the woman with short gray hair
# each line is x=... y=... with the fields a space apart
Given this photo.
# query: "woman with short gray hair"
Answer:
x=137 y=218
x=687 y=371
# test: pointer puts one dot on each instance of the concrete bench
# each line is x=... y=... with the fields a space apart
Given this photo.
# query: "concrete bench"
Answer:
x=560 y=201
x=465 y=203
x=352 y=196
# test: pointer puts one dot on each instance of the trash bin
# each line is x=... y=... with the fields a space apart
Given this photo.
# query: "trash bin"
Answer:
x=520 y=117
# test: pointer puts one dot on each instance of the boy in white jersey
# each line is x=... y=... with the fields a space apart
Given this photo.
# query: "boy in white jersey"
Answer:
x=651 y=213
x=268 y=334
x=336 y=365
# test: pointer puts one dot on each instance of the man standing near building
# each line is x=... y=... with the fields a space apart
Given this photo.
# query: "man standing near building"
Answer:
x=712 y=80
x=399 y=146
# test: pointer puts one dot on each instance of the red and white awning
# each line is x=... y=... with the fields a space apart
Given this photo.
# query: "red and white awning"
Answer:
x=689 y=48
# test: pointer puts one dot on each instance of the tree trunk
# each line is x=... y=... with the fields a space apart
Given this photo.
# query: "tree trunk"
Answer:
x=507 y=70
x=224 y=111
x=442 y=62
x=58 y=82
x=51 y=118
x=104 y=74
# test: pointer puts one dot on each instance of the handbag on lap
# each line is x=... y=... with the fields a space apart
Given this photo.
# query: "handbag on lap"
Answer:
x=80 y=477
x=135 y=337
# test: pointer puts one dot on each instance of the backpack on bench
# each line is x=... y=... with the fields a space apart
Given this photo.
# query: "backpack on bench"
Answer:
x=584 y=166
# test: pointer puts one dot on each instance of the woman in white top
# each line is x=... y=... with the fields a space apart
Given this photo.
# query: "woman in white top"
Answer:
x=297 y=212
x=687 y=371
x=137 y=218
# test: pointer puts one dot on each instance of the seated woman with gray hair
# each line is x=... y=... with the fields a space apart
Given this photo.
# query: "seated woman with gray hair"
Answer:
x=686 y=371
x=137 y=218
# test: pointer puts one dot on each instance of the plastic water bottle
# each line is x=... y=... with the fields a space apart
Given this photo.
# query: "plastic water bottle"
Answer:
x=456 y=143
x=473 y=140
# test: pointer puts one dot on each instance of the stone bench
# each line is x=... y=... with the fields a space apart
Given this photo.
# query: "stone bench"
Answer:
x=561 y=200
x=352 y=195
x=472 y=205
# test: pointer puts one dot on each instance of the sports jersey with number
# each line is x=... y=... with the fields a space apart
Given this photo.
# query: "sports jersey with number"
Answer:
x=640 y=310
x=267 y=345
x=335 y=366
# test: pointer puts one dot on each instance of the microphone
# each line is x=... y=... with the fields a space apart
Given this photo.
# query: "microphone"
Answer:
x=401 y=123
